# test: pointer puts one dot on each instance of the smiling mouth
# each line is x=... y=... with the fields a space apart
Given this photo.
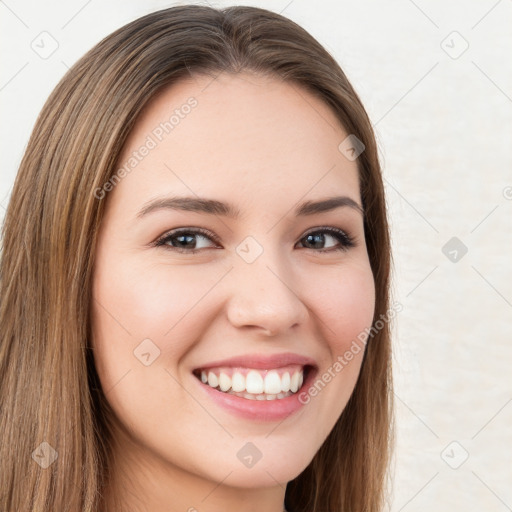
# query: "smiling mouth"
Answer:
x=255 y=384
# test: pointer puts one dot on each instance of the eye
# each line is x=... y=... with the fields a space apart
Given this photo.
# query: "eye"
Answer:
x=318 y=237
x=183 y=239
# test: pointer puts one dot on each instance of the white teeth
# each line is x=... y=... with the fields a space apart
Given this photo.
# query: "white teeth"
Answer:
x=260 y=397
x=285 y=382
x=238 y=382
x=254 y=383
x=224 y=382
x=212 y=380
x=272 y=384
x=294 y=383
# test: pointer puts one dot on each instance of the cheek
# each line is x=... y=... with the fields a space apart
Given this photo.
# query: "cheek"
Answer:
x=346 y=304
x=345 y=307
x=147 y=299
x=135 y=301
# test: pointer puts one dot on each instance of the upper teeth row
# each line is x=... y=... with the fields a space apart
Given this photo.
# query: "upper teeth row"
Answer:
x=254 y=382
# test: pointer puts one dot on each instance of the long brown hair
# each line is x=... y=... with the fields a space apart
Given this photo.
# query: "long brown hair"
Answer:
x=49 y=389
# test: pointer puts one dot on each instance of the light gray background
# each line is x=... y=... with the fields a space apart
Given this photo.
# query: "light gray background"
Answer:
x=443 y=120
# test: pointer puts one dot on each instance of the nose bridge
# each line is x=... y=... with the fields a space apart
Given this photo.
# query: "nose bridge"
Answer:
x=262 y=294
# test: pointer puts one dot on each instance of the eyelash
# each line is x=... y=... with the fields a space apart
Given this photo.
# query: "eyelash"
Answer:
x=346 y=241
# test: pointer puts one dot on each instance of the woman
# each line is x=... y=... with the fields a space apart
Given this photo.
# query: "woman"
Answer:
x=142 y=370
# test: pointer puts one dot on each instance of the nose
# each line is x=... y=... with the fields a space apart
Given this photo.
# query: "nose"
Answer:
x=263 y=297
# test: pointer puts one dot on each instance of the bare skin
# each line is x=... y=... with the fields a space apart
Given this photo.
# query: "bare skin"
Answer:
x=265 y=146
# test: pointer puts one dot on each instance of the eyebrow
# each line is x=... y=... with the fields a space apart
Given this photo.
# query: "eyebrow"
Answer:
x=214 y=207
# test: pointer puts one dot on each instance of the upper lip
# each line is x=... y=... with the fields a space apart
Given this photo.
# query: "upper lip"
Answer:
x=261 y=362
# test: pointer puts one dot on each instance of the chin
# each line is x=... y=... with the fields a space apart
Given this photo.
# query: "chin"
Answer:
x=269 y=471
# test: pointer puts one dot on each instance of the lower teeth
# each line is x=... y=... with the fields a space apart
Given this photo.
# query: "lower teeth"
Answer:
x=262 y=396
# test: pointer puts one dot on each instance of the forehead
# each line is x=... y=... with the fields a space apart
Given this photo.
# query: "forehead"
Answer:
x=245 y=133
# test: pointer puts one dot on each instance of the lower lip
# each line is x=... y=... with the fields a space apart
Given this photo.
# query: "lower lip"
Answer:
x=259 y=410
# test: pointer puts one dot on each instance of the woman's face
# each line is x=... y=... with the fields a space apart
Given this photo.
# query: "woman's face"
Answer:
x=255 y=301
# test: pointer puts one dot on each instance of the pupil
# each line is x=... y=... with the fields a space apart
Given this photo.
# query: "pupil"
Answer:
x=319 y=237
x=188 y=237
